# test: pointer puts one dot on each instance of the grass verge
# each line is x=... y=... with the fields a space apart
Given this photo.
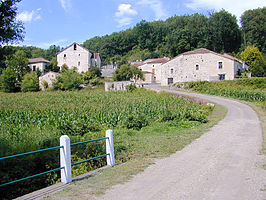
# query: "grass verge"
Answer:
x=155 y=141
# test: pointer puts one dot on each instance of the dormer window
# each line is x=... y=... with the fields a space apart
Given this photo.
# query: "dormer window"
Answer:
x=75 y=46
x=64 y=55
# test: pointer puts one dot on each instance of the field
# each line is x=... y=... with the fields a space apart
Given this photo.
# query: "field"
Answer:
x=247 y=89
x=31 y=121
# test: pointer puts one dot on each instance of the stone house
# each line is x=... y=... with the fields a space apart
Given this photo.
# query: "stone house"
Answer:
x=151 y=69
x=200 y=64
x=38 y=63
x=49 y=77
x=78 y=56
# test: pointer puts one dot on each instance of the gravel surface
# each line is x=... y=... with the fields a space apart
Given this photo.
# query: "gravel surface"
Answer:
x=223 y=164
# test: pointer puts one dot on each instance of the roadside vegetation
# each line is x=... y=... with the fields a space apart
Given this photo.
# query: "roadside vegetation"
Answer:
x=32 y=121
x=247 y=89
x=156 y=141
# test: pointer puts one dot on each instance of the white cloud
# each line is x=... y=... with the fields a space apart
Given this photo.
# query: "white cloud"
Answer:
x=237 y=7
x=156 y=6
x=66 y=4
x=124 y=15
x=27 y=16
x=125 y=9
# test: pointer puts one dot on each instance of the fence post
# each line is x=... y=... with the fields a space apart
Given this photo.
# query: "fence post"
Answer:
x=110 y=148
x=65 y=159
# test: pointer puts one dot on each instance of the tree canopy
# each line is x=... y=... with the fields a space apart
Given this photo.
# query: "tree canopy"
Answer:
x=253 y=25
x=11 y=30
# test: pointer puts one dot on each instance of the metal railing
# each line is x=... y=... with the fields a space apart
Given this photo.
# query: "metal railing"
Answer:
x=35 y=175
x=65 y=157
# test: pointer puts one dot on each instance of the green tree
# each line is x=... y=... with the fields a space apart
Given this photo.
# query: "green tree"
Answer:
x=126 y=72
x=137 y=73
x=253 y=26
x=18 y=62
x=30 y=82
x=10 y=29
x=224 y=33
x=93 y=72
x=68 y=80
x=255 y=60
x=8 y=80
x=52 y=66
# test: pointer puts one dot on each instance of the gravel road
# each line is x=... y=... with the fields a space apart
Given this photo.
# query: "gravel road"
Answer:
x=223 y=164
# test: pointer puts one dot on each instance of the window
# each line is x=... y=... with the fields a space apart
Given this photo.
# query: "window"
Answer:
x=172 y=71
x=75 y=46
x=221 y=77
x=78 y=63
x=220 y=65
x=64 y=55
x=34 y=68
x=170 y=81
x=79 y=54
x=197 y=67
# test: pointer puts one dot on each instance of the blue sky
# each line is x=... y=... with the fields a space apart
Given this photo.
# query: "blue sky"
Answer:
x=61 y=22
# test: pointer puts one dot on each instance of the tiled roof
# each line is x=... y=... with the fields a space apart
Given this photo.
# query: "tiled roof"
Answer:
x=137 y=63
x=159 y=60
x=38 y=60
x=196 y=51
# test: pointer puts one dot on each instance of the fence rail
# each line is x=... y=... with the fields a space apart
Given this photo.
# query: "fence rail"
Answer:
x=65 y=157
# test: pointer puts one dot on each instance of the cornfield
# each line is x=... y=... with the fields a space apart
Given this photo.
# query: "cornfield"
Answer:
x=31 y=121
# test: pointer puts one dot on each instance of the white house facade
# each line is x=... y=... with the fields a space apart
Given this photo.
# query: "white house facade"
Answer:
x=200 y=64
x=38 y=64
x=77 y=56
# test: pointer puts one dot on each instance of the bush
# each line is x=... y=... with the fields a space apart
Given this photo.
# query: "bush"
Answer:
x=131 y=87
x=8 y=80
x=92 y=73
x=30 y=83
x=45 y=84
x=68 y=80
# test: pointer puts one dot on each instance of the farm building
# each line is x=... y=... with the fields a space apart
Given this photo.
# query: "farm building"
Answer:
x=49 y=78
x=38 y=63
x=200 y=64
x=78 y=56
x=151 y=69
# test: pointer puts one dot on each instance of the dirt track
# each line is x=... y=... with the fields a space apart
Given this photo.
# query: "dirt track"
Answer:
x=223 y=164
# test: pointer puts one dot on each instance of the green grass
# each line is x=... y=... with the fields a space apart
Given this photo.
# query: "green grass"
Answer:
x=155 y=141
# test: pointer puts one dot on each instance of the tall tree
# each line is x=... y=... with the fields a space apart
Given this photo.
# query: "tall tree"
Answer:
x=10 y=29
x=255 y=60
x=254 y=28
x=18 y=62
x=224 y=32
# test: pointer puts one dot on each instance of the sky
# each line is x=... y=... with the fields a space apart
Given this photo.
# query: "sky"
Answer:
x=62 y=22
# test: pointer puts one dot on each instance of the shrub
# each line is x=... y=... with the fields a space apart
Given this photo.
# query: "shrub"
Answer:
x=45 y=84
x=8 y=80
x=131 y=87
x=30 y=83
x=68 y=80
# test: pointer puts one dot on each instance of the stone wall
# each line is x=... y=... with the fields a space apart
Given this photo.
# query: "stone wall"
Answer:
x=49 y=77
x=119 y=85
